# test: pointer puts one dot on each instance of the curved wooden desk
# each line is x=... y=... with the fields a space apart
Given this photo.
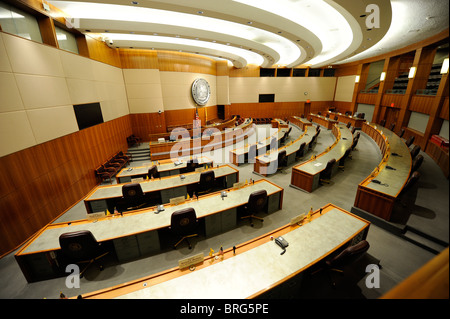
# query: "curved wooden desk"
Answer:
x=196 y=145
x=379 y=199
x=136 y=233
x=240 y=155
x=258 y=259
x=266 y=164
x=355 y=121
x=301 y=122
x=165 y=168
x=101 y=197
x=322 y=120
x=306 y=175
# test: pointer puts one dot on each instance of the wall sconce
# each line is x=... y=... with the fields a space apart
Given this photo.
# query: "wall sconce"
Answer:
x=412 y=72
x=357 y=79
x=444 y=68
x=382 y=76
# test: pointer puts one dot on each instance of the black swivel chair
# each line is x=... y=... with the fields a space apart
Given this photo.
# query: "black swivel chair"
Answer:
x=312 y=143
x=191 y=165
x=402 y=131
x=415 y=151
x=383 y=122
x=81 y=247
x=251 y=153
x=281 y=160
x=417 y=162
x=343 y=158
x=206 y=182
x=336 y=117
x=355 y=142
x=325 y=175
x=153 y=172
x=133 y=197
x=349 y=124
x=283 y=139
x=301 y=151
x=406 y=194
x=409 y=141
x=327 y=115
x=392 y=127
x=256 y=203
x=184 y=223
x=347 y=257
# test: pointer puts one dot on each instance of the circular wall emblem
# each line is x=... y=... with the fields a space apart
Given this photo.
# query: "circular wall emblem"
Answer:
x=201 y=91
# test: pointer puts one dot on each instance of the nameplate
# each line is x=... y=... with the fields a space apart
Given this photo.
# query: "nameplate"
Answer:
x=297 y=219
x=238 y=185
x=136 y=180
x=95 y=216
x=189 y=261
x=177 y=200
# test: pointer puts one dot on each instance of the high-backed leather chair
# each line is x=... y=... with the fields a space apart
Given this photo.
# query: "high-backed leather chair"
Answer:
x=402 y=132
x=191 y=165
x=81 y=247
x=133 y=196
x=327 y=115
x=256 y=203
x=281 y=160
x=325 y=175
x=153 y=172
x=410 y=140
x=349 y=124
x=336 y=117
x=417 y=162
x=343 y=158
x=206 y=182
x=347 y=257
x=383 y=122
x=415 y=151
x=301 y=151
x=392 y=127
x=252 y=153
x=184 y=224
x=412 y=180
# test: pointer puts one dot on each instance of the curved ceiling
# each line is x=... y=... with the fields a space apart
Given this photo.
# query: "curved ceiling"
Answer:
x=264 y=32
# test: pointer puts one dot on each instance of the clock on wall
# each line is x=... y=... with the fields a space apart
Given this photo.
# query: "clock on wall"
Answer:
x=201 y=91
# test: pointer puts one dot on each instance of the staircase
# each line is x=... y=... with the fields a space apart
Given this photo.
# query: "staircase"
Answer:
x=140 y=152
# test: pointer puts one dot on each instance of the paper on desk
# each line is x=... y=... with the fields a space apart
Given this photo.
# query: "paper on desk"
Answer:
x=317 y=164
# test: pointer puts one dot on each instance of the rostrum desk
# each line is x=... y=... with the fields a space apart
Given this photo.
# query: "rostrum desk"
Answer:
x=137 y=233
x=354 y=121
x=102 y=198
x=257 y=270
x=379 y=199
x=323 y=121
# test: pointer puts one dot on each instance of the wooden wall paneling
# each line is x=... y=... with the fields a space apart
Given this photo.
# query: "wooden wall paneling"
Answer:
x=138 y=59
x=48 y=33
x=249 y=70
x=444 y=110
x=38 y=183
x=185 y=62
x=388 y=99
x=423 y=60
x=421 y=103
x=367 y=98
x=439 y=102
x=99 y=51
x=222 y=68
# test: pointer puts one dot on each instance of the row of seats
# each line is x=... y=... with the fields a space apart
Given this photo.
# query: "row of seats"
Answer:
x=184 y=224
x=266 y=120
x=133 y=140
x=112 y=166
